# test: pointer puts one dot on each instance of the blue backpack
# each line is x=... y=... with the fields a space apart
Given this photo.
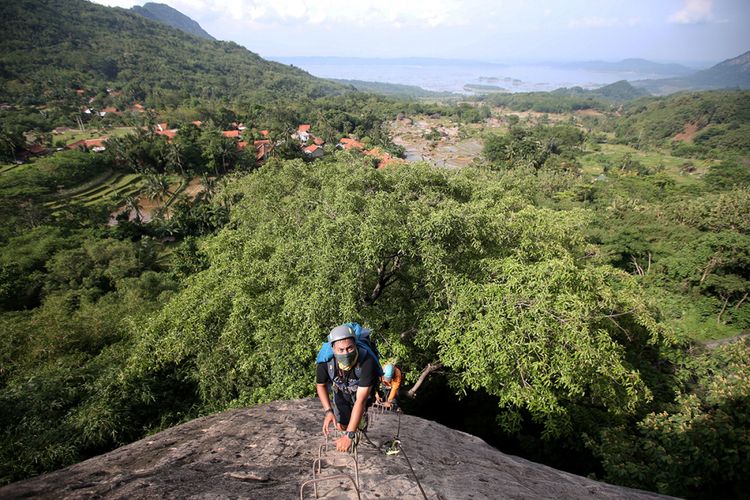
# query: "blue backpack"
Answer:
x=364 y=343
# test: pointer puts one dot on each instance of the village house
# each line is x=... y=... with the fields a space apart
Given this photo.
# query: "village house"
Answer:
x=29 y=151
x=262 y=147
x=313 y=151
x=383 y=158
x=347 y=143
x=169 y=134
x=95 y=145
x=109 y=110
x=302 y=134
x=263 y=150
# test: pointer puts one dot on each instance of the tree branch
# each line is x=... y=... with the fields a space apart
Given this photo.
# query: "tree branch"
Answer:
x=723 y=308
x=386 y=277
x=744 y=297
x=431 y=367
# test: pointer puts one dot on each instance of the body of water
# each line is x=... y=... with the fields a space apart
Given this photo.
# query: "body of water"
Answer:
x=453 y=76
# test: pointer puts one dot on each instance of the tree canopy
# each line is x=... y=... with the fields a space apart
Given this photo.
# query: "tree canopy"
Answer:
x=445 y=268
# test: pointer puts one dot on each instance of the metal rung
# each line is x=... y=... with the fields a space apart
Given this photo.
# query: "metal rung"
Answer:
x=327 y=478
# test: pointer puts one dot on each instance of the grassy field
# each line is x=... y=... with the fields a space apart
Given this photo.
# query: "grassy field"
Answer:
x=76 y=135
x=613 y=154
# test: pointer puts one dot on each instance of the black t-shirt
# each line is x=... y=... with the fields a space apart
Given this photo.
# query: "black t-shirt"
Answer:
x=368 y=369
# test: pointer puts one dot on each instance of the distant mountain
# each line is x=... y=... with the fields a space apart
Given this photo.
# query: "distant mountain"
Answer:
x=63 y=50
x=165 y=14
x=392 y=89
x=732 y=73
x=641 y=66
x=376 y=61
x=615 y=93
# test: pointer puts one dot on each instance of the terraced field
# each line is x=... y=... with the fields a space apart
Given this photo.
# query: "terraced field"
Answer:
x=110 y=186
x=9 y=167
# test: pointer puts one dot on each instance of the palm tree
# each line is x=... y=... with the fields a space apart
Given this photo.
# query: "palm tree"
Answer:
x=132 y=205
x=175 y=157
x=157 y=186
x=209 y=187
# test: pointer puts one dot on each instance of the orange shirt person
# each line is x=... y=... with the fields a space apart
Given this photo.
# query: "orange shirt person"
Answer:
x=391 y=381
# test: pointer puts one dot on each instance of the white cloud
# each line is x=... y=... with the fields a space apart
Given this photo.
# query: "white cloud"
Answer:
x=603 y=22
x=361 y=12
x=126 y=4
x=693 y=11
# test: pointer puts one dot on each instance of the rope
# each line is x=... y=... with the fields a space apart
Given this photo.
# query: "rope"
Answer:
x=396 y=448
x=412 y=470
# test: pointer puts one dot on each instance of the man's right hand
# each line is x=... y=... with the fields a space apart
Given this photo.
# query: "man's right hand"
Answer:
x=330 y=419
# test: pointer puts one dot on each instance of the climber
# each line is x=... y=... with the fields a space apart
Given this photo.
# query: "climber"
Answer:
x=350 y=373
x=391 y=381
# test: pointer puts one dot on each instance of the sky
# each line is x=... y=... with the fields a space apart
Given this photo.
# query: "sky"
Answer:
x=686 y=31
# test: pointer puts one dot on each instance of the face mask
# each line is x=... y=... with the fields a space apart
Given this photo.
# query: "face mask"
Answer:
x=348 y=360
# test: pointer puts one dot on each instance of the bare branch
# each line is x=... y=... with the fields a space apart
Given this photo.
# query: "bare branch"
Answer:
x=386 y=277
x=744 y=297
x=723 y=308
x=431 y=367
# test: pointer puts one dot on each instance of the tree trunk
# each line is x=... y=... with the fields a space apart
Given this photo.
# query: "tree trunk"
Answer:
x=431 y=367
x=723 y=308
x=744 y=297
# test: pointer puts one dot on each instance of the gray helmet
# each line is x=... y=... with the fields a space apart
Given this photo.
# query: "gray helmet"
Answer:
x=340 y=333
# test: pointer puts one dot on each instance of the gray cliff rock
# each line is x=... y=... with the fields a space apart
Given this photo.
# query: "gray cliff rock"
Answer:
x=267 y=452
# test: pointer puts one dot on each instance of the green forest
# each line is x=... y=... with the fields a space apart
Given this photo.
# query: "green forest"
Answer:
x=581 y=287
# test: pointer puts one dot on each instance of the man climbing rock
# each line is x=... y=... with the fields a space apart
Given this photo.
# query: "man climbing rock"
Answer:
x=391 y=382
x=350 y=374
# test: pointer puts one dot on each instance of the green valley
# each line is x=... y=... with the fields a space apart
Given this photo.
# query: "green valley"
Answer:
x=575 y=263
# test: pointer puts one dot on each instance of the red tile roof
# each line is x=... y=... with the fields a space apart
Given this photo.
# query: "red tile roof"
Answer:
x=36 y=149
x=168 y=133
x=262 y=148
x=88 y=143
x=384 y=157
x=161 y=127
x=93 y=143
x=197 y=123
x=304 y=127
x=242 y=145
x=264 y=133
x=311 y=148
x=351 y=143
x=318 y=141
x=231 y=133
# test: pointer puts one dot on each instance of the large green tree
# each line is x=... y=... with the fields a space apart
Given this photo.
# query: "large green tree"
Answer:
x=447 y=268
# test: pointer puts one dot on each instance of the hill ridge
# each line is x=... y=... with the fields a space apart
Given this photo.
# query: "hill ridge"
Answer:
x=52 y=49
x=165 y=14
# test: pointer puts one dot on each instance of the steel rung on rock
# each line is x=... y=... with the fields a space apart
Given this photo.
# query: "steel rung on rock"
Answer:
x=315 y=482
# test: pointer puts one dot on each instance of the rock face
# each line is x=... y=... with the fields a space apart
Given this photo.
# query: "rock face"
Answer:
x=267 y=452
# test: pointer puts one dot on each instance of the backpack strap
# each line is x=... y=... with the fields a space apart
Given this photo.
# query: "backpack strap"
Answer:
x=336 y=382
x=331 y=365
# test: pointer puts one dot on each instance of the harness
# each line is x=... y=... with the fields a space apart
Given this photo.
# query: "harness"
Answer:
x=346 y=386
